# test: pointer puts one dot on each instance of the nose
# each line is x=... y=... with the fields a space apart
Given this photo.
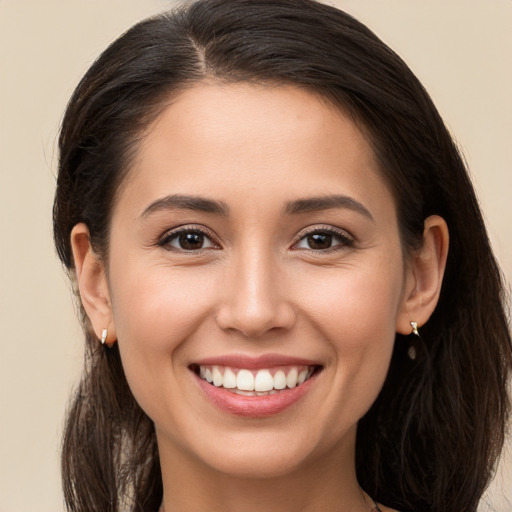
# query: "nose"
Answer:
x=255 y=299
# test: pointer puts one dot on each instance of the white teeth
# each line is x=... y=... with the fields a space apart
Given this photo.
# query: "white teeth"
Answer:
x=245 y=380
x=291 y=378
x=279 y=380
x=217 y=376
x=229 y=379
x=252 y=382
x=263 y=381
x=302 y=376
x=245 y=393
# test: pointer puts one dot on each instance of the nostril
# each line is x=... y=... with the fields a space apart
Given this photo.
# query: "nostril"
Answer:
x=256 y=326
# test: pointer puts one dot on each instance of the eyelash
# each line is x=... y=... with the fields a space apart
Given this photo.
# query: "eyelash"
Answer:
x=345 y=240
x=167 y=238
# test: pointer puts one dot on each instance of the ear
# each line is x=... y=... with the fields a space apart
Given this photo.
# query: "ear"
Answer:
x=424 y=276
x=92 y=284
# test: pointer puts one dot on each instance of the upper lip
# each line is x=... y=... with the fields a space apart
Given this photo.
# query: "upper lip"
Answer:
x=255 y=362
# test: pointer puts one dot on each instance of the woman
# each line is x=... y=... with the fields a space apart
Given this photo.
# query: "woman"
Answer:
x=255 y=200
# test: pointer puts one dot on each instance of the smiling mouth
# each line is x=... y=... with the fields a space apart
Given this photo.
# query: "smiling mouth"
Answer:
x=261 y=382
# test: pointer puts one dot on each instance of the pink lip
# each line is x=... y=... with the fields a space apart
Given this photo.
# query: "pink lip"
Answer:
x=254 y=406
x=252 y=363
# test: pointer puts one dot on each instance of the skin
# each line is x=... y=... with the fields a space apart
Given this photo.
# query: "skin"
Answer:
x=257 y=286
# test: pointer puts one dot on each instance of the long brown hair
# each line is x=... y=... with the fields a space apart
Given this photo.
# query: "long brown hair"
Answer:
x=431 y=440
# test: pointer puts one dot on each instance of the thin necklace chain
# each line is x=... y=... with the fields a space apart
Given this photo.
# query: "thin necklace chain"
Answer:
x=376 y=507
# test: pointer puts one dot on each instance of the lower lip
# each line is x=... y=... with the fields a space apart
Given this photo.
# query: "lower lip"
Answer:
x=254 y=406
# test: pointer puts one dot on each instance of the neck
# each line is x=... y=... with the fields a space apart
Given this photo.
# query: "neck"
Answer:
x=328 y=484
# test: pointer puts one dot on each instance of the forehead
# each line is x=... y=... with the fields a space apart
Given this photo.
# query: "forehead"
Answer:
x=215 y=138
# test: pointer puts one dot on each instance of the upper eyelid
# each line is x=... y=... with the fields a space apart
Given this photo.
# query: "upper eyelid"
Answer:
x=170 y=233
x=348 y=239
x=323 y=228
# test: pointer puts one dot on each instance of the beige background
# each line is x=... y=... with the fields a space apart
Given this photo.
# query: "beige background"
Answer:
x=461 y=50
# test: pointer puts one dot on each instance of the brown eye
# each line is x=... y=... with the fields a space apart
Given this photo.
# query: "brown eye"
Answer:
x=324 y=239
x=187 y=240
x=191 y=241
x=319 y=241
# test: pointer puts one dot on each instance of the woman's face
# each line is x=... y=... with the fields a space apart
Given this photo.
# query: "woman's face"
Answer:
x=255 y=243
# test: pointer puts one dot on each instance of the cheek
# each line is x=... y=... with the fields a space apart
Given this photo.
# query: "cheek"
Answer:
x=155 y=311
x=158 y=308
x=356 y=313
x=358 y=306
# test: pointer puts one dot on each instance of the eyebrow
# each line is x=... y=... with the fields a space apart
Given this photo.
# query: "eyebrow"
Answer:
x=313 y=204
x=201 y=204
x=183 y=202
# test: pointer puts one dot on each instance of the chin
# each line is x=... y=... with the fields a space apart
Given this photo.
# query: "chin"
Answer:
x=259 y=464
x=263 y=455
